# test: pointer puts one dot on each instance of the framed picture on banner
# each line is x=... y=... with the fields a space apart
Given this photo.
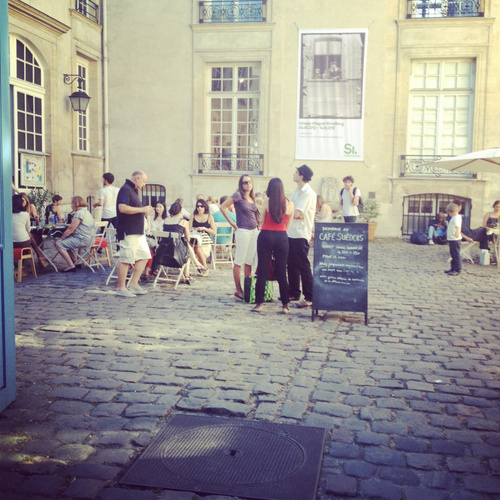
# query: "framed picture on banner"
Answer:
x=32 y=168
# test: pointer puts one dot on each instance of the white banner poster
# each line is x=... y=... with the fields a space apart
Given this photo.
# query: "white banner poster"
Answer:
x=331 y=88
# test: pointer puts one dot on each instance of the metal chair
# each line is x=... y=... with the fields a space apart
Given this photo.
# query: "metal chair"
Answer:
x=101 y=243
x=85 y=255
x=164 y=271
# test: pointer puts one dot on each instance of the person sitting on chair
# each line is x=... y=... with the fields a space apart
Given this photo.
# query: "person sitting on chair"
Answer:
x=78 y=234
x=21 y=228
x=54 y=209
x=437 y=230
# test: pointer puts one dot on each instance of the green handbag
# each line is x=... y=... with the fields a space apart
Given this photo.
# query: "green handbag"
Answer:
x=249 y=290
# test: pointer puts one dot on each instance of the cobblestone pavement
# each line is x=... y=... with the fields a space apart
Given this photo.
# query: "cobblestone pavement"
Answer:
x=411 y=400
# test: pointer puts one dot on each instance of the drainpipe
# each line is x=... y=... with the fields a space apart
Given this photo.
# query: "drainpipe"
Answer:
x=105 y=110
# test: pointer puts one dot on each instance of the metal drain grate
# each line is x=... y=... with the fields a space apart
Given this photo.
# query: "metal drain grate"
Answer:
x=257 y=460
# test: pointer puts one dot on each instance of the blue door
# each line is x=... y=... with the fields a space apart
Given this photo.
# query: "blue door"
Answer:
x=7 y=338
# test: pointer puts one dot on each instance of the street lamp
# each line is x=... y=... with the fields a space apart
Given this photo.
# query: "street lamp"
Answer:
x=79 y=99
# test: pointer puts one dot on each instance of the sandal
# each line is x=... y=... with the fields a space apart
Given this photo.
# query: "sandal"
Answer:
x=286 y=310
x=239 y=296
x=256 y=309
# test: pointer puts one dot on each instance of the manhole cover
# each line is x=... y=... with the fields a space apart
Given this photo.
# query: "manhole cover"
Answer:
x=232 y=457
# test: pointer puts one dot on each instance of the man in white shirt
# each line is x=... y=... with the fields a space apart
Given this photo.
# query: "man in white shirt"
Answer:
x=349 y=199
x=299 y=234
x=107 y=199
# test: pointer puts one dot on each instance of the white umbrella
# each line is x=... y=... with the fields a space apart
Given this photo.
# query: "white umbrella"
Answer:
x=487 y=160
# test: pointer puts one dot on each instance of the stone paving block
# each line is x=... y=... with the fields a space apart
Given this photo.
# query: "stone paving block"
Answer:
x=386 y=427
x=485 y=450
x=124 y=494
x=85 y=488
x=425 y=461
x=375 y=414
x=93 y=471
x=323 y=421
x=341 y=485
x=108 y=409
x=99 y=396
x=70 y=407
x=448 y=448
x=445 y=421
x=113 y=456
x=227 y=408
x=107 y=423
x=360 y=468
x=416 y=493
x=382 y=456
x=181 y=495
x=146 y=409
x=345 y=450
x=48 y=486
x=141 y=424
x=333 y=409
x=483 y=424
x=399 y=475
x=373 y=438
x=73 y=452
x=374 y=488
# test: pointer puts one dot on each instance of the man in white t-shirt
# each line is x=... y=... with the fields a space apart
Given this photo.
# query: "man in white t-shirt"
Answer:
x=107 y=199
x=299 y=234
x=349 y=199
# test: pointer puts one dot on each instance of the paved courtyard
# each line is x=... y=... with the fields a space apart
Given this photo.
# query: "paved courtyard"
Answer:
x=411 y=400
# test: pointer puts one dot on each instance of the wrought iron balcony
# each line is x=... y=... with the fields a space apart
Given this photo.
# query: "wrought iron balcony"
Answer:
x=88 y=9
x=233 y=11
x=417 y=9
x=230 y=163
x=418 y=166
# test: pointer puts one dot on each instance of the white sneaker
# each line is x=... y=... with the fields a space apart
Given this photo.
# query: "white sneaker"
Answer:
x=125 y=293
x=138 y=290
x=431 y=242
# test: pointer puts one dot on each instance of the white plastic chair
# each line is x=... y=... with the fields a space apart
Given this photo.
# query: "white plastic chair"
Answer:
x=85 y=256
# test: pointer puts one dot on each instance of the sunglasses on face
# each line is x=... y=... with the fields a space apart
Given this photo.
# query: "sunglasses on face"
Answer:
x=247 y=182
x=199 y=206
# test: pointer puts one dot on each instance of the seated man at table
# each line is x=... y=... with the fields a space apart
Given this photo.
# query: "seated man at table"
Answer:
x=437 y=230
x=54 y=209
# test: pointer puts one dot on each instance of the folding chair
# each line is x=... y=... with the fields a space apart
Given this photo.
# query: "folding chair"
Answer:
x=222 y=246
x=465 y=250
x=85 y=256
x=101 y=243
x=113 y=252
x=164 y=271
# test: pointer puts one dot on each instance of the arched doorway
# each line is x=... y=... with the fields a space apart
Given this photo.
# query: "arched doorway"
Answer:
x=419 y=209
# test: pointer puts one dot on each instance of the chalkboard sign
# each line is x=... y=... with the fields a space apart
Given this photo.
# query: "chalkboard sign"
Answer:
x=340 y=276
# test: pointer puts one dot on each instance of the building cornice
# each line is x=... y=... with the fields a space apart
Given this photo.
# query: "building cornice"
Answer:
x=32 y=15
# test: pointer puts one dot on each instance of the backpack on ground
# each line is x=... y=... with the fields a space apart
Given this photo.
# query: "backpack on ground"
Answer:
x=419 y=238
x=360 y=203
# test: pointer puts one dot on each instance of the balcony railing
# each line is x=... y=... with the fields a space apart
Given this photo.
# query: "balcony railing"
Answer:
x=233 y=11
x=230 y=164
x=417 y=9
x=88 y=9
x=418 y=166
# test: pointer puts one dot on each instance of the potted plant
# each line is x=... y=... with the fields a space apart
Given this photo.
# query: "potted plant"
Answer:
x=371 y=210
x=40 y=197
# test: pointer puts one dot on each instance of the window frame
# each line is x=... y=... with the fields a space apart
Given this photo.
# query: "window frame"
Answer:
x=442 y=94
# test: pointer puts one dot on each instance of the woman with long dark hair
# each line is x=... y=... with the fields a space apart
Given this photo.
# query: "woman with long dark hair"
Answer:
x=277 y=215
x=202 y=222
x=246 y=231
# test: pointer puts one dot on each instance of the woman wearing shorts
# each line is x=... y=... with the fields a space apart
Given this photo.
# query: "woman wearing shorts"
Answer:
x=78 y=234
x=246 y=231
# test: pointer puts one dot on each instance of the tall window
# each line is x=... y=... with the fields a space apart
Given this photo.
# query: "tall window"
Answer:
x=234 y=98
x=441 y=107
x=82 y=115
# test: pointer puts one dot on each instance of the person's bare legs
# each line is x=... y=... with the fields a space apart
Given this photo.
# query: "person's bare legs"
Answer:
x=122 y=272
x=136 y=274
x=248 y=271
x=237 y=279
x=66 y=256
